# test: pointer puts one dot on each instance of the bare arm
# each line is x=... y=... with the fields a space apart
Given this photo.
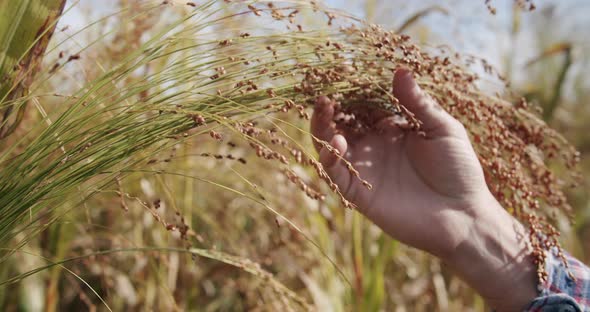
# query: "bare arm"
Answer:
x=430 y=193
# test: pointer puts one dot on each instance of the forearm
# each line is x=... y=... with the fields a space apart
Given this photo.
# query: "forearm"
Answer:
x=494 y=260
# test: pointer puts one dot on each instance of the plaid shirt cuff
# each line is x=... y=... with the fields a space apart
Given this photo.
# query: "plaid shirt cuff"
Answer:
x=561 y=292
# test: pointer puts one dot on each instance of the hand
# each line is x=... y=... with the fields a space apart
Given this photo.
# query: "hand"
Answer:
x=430 y=192
x=423 y=188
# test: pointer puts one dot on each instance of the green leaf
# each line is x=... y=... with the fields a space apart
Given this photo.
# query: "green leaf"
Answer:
x=25 y=29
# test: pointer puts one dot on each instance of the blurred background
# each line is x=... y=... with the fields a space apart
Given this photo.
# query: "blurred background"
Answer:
x=543 y=53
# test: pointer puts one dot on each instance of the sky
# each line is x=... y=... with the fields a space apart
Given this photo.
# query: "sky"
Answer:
x=469 y=27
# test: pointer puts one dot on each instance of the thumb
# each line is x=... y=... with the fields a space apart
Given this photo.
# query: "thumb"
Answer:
x=436 y=121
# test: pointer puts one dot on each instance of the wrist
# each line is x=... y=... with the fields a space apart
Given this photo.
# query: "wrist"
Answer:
x=494 y=258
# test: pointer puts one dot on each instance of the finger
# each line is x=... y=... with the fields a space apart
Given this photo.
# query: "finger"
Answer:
x=330 y=159
x=334 y=165
x=321 y=121
x=436 y=121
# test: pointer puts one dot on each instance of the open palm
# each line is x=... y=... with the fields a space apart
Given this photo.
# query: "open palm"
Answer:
x=423 y=185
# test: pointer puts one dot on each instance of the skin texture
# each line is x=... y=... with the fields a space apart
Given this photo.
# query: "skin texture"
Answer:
x=429 y=192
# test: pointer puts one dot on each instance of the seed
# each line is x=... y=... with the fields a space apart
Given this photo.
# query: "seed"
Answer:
x=217 y=136
x=225 y=42
x=54 y=68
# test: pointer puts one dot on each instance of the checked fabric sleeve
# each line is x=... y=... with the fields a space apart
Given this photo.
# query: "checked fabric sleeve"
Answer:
x=561 y=293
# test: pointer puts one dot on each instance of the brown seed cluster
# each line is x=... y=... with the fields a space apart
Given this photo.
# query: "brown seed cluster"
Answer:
x=297 y=180
x=271 y=150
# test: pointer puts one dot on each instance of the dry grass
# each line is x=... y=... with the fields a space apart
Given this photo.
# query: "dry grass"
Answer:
x=188 y=137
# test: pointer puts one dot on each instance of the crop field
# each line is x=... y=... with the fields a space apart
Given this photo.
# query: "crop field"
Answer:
x=157 y=155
